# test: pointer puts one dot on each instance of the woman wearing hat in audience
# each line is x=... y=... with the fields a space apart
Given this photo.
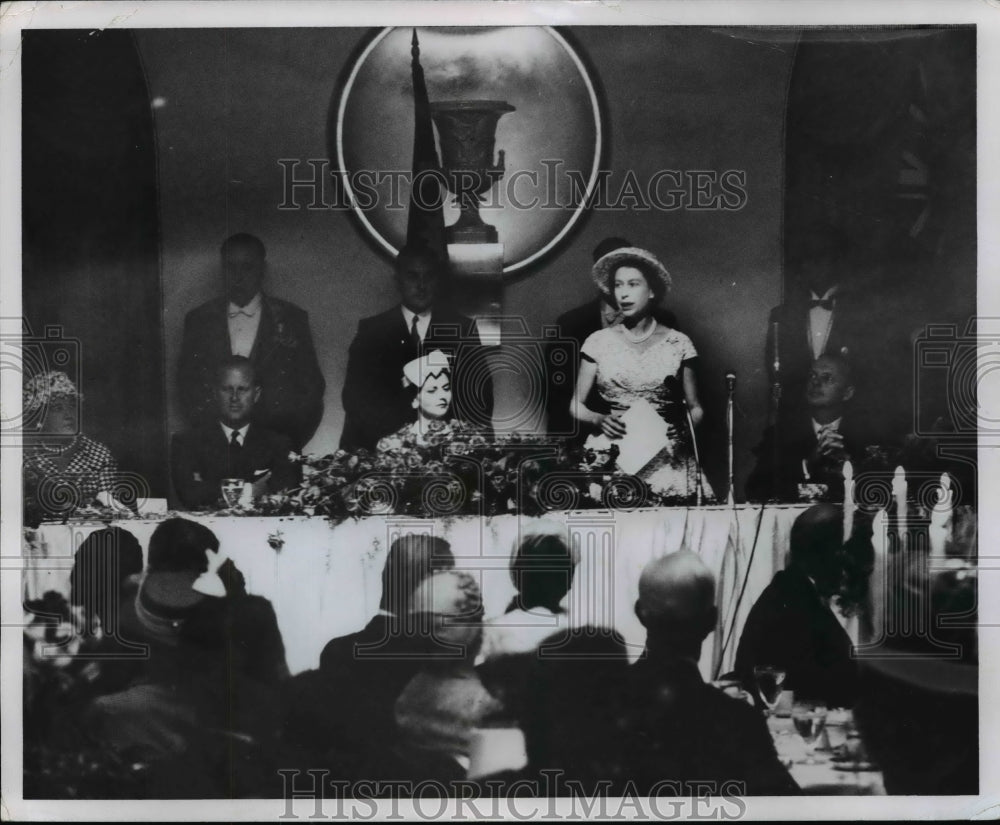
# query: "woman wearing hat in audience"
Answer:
x=429 y=377
x=641 y=359
x=63 y=468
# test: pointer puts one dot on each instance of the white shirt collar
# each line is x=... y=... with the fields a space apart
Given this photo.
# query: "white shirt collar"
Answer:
x=252 y=307
x=408 y=315
x=830 y=293
x=833 y=425
x=229 y=432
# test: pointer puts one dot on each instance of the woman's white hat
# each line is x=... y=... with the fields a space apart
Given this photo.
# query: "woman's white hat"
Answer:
x=427 y=366
x=647 y=262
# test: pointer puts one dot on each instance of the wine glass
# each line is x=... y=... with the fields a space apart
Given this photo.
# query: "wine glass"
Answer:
x=769 y=680
x=810 y=720
x=232 y=491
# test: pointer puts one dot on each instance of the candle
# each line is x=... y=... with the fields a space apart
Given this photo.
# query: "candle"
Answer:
x=941 y=517
x=848 y=471
x=899 y=494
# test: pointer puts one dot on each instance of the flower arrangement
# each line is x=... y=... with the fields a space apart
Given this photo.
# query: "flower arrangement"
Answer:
x=453 y=469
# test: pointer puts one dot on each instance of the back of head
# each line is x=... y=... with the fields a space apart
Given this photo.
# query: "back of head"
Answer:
x=677 y=602
x=447 y=611
x=816 y=544
x=542 y=571
x=101 y=565
x=411 y=559
x=179 y=544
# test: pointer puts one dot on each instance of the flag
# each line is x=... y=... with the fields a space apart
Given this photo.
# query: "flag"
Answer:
x=425 y=223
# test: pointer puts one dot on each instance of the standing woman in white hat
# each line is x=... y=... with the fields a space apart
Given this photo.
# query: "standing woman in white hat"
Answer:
x=641 y=358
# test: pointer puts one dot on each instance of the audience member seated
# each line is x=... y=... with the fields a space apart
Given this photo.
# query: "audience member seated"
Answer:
x=679 y=728
x=443 y=704
x=204 y=711
x=792 y=626
x=272 y=333
x=813 y=443
x=63 y=468
x=232 y=446
x=542 y=571
x=574 y=712
x=347 y=704
x=918 y=709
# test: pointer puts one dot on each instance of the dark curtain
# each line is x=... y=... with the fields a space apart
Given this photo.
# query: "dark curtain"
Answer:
x=91 y=233
x=881 y=145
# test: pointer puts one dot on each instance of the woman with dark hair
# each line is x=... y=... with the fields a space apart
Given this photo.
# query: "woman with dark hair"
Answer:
x=641 y=361
x=429 y=380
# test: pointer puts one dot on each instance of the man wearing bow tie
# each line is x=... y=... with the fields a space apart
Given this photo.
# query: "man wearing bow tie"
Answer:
x=376 y=403
x=820 y=317
x=272 y=333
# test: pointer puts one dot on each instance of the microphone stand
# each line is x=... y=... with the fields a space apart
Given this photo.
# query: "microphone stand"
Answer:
x=699 y=491
x=776 y=415
x=730 y=390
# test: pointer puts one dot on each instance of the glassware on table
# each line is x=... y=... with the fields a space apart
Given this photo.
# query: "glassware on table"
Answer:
x=810 y=720
x=232 y=491
x=768 y=681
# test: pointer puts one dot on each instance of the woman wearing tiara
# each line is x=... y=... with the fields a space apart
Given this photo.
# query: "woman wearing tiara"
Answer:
x=429 y=377
x=642 y=360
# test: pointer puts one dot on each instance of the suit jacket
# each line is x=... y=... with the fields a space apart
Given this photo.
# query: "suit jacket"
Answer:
x=790 y=627
x=201 y=458
x=683 y=730
x=375 y=402
x=847 y=337
x=292 y=384
x=779 y=479
x=563 y=364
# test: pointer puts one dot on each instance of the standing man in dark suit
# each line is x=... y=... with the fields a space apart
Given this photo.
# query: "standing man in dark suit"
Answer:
x=821 y=316
x=792 y=627
x=272 y=333
x=563 y=356
x=232 y=446
x=376 y=403
x=681 y=730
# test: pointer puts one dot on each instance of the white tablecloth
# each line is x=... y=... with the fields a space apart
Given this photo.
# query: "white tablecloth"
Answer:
x=326 y=581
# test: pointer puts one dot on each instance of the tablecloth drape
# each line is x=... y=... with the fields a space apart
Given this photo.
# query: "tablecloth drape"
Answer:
x=325 y=581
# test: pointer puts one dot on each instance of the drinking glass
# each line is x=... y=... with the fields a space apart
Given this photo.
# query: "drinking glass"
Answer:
x=769 y=680
x=809 y=719
x=232 y=490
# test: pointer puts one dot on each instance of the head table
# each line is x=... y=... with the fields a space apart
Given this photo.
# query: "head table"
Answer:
x=324 y=580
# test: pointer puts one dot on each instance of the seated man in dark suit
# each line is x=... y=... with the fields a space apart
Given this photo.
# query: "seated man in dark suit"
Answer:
x=563 y=356
x=272 y=333
x=231 y=446
x=347 y=704
x=792 y=627
x=376 y=403
x=813 y=444
x=681 y=729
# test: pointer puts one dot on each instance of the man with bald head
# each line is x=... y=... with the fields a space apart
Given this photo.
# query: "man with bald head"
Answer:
x=791 y=626
x=682 y=729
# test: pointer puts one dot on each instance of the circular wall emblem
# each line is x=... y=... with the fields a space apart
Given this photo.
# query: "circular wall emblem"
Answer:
x=550 y=136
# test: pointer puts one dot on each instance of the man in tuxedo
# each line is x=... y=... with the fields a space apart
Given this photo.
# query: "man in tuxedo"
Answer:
x=820 y=317
x=792 y=627
x=233 y=446
x=272 y=333
x=814 y=442
x=681 y=729
x=376 y=403
x=563 y=356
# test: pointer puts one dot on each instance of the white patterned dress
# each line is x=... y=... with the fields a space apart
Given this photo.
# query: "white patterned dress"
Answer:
x=628 y=371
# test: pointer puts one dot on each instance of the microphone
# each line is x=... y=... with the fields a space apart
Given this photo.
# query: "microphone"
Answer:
x=730 y=382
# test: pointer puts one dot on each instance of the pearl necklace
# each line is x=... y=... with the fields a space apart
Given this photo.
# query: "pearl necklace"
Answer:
x=641 y=338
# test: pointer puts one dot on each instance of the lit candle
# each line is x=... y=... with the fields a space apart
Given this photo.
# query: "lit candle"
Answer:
x=899 y=494
x=941 y=517
x=848 y=499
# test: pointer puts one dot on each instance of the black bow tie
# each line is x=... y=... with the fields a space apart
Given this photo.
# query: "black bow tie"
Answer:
x=826 y=303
